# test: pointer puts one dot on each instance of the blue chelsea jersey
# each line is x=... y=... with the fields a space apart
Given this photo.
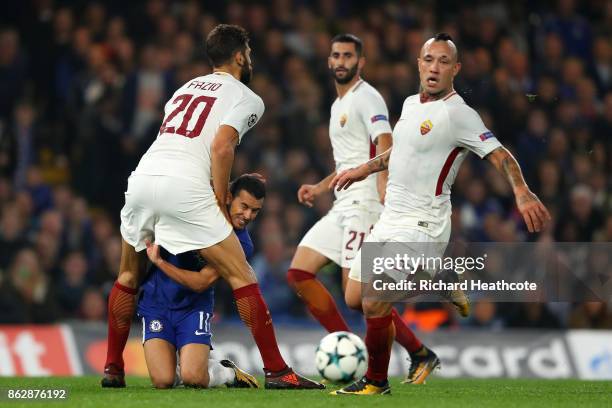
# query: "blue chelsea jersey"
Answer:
x=160 y=291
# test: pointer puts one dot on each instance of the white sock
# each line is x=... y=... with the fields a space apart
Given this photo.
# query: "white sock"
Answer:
x=177 y=376
x=219 y=375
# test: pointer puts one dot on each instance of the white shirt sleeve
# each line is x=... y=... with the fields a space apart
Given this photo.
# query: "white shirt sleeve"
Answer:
x=374 y=114
x=470 y=131
x=244 y=114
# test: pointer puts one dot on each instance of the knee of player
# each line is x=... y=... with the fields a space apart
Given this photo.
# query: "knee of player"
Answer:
x=354 y=304
x=242 y=278
x=291 y=279
x=376 y=308
x=194 y=378
x=298 y=277
x=352 y=301
x=128 y=278
x=162 y=383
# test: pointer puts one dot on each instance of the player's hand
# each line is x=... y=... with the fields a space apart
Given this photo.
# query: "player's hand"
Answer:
x=153 y=252
x=534 y=213
x=306 y=194
x=344 y=179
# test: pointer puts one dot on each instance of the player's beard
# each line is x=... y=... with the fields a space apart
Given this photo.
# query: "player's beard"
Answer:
x=350 y=74
x=246 y=73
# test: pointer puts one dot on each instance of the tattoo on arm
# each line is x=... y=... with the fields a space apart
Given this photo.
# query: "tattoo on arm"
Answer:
x=507 y=164
x=522 y=199
x=380 y=162
x=512 y=171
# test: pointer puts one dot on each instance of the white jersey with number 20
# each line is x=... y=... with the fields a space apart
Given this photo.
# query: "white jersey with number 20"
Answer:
x=192 y=117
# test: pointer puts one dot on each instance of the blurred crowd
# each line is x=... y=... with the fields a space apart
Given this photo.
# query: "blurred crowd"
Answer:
x=82 y=90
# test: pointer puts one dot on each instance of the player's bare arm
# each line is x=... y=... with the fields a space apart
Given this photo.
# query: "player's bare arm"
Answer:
x=222 y=158
x=196 y=281
x=346 y=178
x=308 y=192
x=533 y=211
x=383 y=143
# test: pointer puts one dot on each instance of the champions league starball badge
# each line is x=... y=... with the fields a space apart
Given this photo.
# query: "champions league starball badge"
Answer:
x=252 y=120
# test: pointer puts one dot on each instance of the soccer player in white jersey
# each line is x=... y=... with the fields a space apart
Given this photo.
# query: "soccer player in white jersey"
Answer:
x=358 y=128
x=435 y=132
x=170 y=200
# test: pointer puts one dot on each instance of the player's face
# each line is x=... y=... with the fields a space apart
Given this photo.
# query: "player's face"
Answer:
x=244 y=208
x=437 y=67
x=246 y=69
x=343 y=62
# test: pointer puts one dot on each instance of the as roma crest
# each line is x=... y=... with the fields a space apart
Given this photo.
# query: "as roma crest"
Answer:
x=426 y=127
x=343 y=119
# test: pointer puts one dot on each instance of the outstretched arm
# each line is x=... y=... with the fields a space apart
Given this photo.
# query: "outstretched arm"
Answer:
x=531 y=208
x=344 y=179
x=196 y=281
x=308 y=192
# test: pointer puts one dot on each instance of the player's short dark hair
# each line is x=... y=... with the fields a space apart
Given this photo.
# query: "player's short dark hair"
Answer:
x=350 y=38
x=446 y=37
x=251 y=183
x=224 y=41
x=443 y=37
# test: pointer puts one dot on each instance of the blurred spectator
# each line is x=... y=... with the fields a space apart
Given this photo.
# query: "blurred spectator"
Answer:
x=271 y=269
x=72 y=283
x=581 y=219
x=12 y=234
x=25 y=294
x=591 y=315
x=92 y=306
x=484 y=314
x=534 y=316
x=574 y=30
x=13 y=71
x=476 y=208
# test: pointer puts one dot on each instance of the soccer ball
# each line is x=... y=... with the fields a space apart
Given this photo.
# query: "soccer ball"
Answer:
x=341 y=357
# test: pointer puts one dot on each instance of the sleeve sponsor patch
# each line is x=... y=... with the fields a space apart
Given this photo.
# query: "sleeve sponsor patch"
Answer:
x=253 y=120
x=486 y=135
x=376 y=118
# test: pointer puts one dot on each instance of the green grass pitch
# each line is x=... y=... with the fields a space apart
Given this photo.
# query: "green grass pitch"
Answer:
x=86 y=392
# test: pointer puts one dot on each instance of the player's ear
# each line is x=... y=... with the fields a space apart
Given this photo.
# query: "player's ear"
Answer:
x=362 y=61
x=228 y=198
x=239 y=58
x=457 y=68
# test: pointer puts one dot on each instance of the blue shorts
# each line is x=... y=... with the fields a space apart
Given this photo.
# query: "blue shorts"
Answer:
x=177 y=327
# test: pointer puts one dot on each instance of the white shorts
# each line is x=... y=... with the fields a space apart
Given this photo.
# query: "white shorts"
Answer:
x=434 y=246
x=339 y=234
x=175 y=213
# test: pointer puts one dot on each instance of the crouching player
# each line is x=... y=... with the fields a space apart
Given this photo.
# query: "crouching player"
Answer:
x=176 y=304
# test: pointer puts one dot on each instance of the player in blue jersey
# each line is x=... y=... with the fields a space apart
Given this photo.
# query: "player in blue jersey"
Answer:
x=177 y=300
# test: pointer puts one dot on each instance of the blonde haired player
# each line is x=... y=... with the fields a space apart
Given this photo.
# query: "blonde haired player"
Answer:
x=435 y=132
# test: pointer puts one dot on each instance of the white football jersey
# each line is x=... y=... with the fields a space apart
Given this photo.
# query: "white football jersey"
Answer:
x=430 y=141
x=192 y=117
x=356 y=120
